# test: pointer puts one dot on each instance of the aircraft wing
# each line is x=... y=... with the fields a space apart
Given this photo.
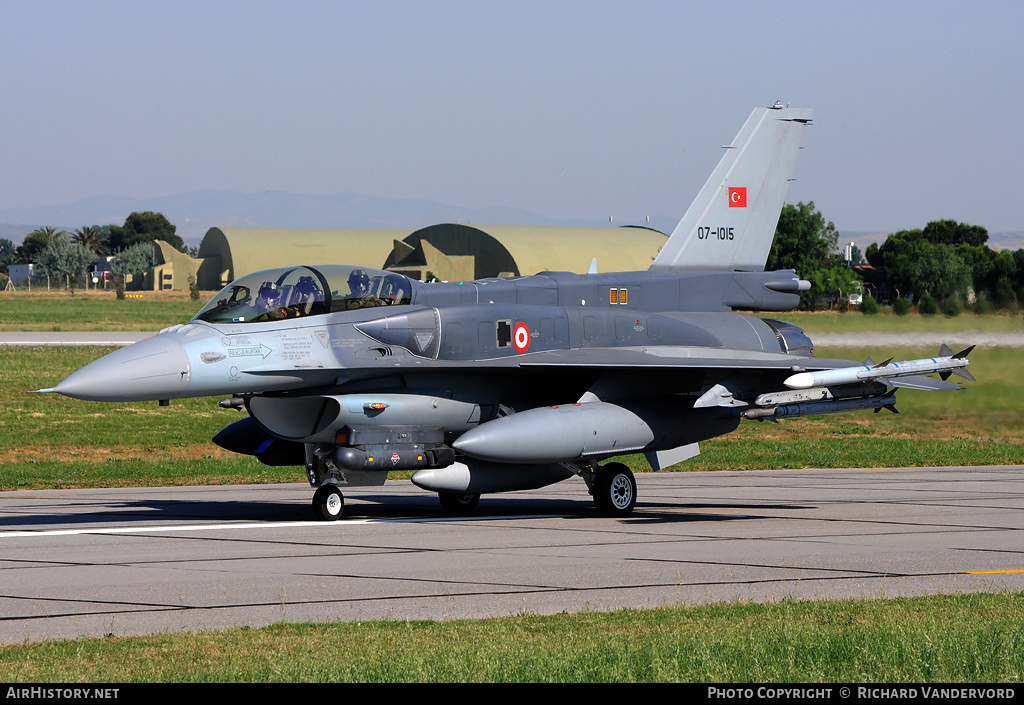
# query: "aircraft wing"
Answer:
x=679 y=357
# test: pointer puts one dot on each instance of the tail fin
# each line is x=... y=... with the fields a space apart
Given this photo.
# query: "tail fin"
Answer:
x=731 y=223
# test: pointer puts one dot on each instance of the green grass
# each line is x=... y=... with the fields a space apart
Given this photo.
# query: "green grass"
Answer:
x=95 y=310
x=820 y=322
x=49 y=441
x=960 y=638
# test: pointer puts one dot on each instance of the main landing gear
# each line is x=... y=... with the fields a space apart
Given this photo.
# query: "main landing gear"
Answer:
x=614 y=489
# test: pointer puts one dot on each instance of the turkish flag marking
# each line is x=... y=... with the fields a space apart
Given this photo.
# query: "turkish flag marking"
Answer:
x=521 y=338
x=737 y=196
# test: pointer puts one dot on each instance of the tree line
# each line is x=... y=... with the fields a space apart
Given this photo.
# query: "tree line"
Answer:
x=943 y=266
x=945 y=263
x=67 y=255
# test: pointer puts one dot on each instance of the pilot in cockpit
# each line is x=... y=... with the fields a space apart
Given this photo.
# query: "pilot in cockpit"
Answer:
x=360 y=296
x=358 y=283
x=268 y=298
x=306 y=290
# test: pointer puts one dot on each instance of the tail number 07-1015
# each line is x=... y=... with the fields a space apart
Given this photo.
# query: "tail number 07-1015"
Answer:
x=715 y=233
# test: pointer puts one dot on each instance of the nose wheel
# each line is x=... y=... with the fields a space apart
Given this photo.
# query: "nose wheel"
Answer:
x=328 y=503
x=614 y=490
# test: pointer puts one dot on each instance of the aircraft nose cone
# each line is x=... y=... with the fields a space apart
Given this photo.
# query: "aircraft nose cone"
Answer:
x=154 y=368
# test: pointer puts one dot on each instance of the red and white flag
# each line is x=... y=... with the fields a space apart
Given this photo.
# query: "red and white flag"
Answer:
x=737 y=196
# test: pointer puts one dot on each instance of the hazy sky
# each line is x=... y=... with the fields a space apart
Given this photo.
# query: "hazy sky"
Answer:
x=567 y=109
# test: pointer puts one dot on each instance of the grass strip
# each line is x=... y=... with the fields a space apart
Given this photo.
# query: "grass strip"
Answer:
x=95 y=310
x=957 y=638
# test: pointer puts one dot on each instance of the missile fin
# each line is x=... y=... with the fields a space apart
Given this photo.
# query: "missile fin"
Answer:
x=883 y=364
x=963 y=353
x=892 y=407
x=965 y=374
x=945 y=375
x=944 y=351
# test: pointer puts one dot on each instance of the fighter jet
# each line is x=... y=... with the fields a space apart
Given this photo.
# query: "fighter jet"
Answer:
x=510 y=384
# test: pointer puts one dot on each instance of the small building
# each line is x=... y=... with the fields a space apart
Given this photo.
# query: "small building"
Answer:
x=20 y=274
x=875 y=284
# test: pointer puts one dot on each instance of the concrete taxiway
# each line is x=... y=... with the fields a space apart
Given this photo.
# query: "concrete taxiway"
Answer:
x=132 y=561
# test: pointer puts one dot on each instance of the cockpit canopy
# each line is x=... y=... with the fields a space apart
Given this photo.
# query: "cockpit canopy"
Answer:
x=291 y=292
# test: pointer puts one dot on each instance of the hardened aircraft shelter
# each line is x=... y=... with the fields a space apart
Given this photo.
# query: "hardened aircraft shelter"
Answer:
x=446 y=252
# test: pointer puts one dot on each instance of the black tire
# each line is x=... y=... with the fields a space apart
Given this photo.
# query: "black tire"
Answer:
x=458 y=503
x=614 y=490
x=328 y=503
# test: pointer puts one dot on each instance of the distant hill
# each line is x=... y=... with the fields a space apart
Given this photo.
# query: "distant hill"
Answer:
x=1006 y=241
x=195 y=213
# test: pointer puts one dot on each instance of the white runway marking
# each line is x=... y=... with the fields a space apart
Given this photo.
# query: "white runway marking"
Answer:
x=265 y=525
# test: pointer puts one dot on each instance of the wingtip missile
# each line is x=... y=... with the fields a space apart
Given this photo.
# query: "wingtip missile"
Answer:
x=945 y=364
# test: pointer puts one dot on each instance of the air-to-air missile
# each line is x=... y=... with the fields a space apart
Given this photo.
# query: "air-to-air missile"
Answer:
x=945 y=364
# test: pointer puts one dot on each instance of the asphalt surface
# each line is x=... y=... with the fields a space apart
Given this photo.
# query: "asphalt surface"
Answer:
x=134 y=561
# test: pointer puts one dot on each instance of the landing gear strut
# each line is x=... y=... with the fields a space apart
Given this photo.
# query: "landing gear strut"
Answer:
x=328 y=503
x=459 y=504
x=614 y=490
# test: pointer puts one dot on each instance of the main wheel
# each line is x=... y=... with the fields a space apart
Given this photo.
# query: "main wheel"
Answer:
x=328 y=503
x=458 y=503
x=614 y=490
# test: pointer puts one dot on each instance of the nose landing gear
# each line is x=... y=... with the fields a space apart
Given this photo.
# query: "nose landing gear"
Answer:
x=328 y=503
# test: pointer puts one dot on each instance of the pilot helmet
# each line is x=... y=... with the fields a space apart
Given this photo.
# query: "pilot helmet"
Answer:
x=269 y=291
x=306 y=285
x=358 y=281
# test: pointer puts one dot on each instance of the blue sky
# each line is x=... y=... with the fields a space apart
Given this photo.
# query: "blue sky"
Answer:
x=567 y=109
